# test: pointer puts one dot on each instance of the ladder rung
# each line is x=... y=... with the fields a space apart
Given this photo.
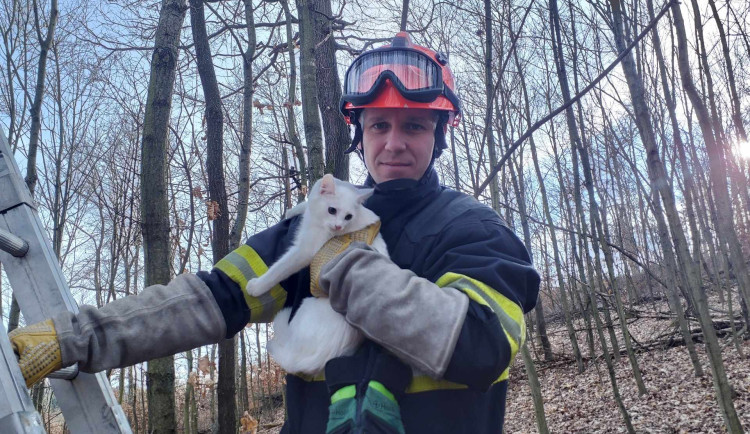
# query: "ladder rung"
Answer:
x=68 y=373
x=12 y=244
x=33 y=270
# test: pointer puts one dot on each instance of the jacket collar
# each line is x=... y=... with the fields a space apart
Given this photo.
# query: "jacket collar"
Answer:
x=398 y=196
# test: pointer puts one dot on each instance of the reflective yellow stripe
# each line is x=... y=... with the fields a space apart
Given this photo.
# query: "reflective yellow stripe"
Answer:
x=309 y=378
x=423 y=383
x=419 y=384
x=244 y=264
x=509 y=313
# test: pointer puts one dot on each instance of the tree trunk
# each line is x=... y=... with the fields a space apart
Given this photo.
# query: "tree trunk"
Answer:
x=521 y=200
x=291 y=119
x=578 y=263
x=134 y=399
x=576 y=142
x=536 y=390
x=189 y=390
x=309 y=90
x=155 y=216
x=659 y=186
x=489 y=89
x=36 y=123
x=226 y=389
x=36 y=107
x=736 y=107
x=245 y=398
x=579 y=151
x=335 y=130
x=548 y=216
x=725 y=227
x=404 y=15
x=235 y=236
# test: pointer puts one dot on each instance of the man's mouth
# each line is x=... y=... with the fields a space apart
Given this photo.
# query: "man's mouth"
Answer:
x=395 y=164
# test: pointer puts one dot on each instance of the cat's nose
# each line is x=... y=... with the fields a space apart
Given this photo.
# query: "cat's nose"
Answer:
x=337 y=227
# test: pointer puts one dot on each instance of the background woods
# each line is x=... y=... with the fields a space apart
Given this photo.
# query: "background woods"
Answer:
x=158 y=135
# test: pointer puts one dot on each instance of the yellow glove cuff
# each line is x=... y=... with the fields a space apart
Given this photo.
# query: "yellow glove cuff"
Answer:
x=333 y=247
x=37 y=349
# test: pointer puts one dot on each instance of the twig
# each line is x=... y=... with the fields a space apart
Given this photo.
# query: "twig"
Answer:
x=567 y=104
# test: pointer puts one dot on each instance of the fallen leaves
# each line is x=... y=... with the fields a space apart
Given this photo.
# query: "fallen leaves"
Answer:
x=248 y=424
x=676 y=402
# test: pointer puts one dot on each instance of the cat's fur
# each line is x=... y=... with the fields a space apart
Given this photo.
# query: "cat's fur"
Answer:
x=317 y=333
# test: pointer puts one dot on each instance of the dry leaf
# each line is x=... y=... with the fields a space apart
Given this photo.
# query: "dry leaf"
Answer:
x=248 y=424
x=259 y=105
x=193 y=379
x=212 y=209
x=204 y=365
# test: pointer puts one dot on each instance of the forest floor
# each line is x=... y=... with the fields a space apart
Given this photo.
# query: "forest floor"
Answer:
x=676 y=402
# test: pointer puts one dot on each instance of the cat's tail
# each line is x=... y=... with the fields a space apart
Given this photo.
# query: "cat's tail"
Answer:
x=277 y=346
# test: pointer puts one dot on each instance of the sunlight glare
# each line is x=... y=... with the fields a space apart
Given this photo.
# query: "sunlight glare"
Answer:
x=744 y=149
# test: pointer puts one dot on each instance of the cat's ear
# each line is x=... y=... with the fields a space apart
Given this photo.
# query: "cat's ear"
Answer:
x=327 y=184
x=364 y=193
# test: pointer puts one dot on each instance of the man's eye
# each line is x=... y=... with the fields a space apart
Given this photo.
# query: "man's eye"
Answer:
x=331 y=210
x=379 y=126
x=348 y=217
x=416 y=127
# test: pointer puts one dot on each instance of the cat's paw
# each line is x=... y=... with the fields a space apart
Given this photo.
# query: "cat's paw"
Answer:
x=254 y=288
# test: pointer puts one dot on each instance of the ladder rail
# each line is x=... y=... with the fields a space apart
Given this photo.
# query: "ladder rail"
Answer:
x=87 y=402
x=17 y=412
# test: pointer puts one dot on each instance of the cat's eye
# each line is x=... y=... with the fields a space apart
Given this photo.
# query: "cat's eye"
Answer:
x=348 y=217
x=331 y=210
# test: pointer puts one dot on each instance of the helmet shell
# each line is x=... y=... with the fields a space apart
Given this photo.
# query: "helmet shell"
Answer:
x=389 y=96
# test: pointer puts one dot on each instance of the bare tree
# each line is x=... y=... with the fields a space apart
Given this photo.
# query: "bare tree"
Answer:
x=214 y=117
x=155 y=216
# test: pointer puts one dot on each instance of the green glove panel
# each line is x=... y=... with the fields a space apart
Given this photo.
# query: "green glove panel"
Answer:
x=378 y=407
x=365 y=389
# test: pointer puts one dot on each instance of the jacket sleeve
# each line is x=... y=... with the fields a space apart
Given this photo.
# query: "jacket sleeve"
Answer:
x=160 y=321
x=481 y=257
x=229 y=276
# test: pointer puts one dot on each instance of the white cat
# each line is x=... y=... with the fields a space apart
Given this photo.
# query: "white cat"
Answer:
x=317 y=333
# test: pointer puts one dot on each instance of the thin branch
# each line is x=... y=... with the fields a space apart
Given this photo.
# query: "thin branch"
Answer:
x=572 y=101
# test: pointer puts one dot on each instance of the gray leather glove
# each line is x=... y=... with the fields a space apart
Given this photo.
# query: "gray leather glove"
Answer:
x=412 y=317
x=160 y=321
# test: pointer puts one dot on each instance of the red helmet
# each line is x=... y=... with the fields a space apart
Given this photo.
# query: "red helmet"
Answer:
x=401 y=75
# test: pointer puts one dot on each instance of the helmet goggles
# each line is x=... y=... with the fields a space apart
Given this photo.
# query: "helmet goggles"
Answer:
x=416 y=75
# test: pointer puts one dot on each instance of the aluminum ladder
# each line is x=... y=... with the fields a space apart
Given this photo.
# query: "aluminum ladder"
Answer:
x=86 y=400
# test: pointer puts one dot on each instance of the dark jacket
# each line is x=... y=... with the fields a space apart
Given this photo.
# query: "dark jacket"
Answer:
x=441 y=235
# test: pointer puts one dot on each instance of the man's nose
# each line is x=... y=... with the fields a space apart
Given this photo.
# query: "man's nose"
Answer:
x=395 y=141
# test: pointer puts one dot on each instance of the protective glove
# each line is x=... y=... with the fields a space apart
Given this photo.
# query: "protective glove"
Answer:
x=37 y=349
x=410 y=316
x=365 y=389
x=333 y=247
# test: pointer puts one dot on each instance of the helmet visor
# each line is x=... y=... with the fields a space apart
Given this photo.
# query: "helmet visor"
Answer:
x=416 y=76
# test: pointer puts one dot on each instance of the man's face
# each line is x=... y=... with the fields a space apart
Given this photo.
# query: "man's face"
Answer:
x=398 y=142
